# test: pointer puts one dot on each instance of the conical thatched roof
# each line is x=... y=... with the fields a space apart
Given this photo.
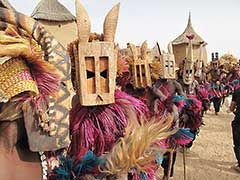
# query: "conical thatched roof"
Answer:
x=189 y=30
x=6 y=4
x=52 y=10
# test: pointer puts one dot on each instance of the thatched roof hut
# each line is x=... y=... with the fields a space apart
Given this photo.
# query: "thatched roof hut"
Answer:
x=180 y=44
x=57 y=19
x=6 y=4
x=52 y=10
x=188 y=30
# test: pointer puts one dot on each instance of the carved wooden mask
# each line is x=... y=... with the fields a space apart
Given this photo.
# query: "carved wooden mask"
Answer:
x=199 y=62
x=188 y=68
x=96 y=64
x=215 y=62
x=167 y=62
x=140 y=66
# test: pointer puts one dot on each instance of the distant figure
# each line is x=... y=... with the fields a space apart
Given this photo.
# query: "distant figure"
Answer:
x=165 y=90
x=235 y=108
x=216 y=73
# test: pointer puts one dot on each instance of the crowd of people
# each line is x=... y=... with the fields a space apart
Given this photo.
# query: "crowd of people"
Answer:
x=94 y=112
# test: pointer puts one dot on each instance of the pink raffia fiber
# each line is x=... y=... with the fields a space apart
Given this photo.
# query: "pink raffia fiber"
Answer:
x=140 y=108
x=47 y=78
x=150 y=174
x=190 y=116
x=98 y=128
x=203 y=94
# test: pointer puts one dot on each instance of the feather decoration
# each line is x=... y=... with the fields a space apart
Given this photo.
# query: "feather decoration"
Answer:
x=183 y=136
x=178 y=98
x=137 y=149
x=88 y=163
x=98 y=128
x=159 y=108
x=165 y=104
x=179 y=101
x=69 y=169
x=202 y=93
x=150 y=175
x=137 y=176
x=143 y=176
x=190 y=116
x=140 y=108
x=203 y=96
x=236 y=84
x=193 y=103
x=160 y=159
x=189 y=119
x=64 y=171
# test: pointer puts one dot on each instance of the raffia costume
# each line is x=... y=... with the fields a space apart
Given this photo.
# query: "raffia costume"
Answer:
x=105 y=122
x=216 y=86
x=34 y=95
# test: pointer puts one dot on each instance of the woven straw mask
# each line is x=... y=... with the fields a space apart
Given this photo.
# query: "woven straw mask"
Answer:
x=15 y=78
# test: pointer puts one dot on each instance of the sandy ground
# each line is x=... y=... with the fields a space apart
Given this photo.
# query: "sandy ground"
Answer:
x=211 y=156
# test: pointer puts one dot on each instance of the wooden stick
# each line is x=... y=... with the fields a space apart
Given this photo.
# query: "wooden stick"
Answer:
x=159 y=50
x=184 y=164
x=170 y=164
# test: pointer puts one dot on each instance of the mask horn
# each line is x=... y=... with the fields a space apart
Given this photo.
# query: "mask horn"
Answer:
x=83 y=22
x=134 y=51
x=170 y=48
x=190 y=47
x=110 y=24
x=200 y=56
x=144 y=50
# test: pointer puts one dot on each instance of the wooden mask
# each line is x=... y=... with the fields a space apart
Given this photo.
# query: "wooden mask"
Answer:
x=215 y=62
x=96 y=64
x=167 y=64
x=199 y=62
x=140 y=66
x=188 y=68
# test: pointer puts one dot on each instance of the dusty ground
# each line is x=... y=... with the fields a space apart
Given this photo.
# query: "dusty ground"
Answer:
x=211 y=156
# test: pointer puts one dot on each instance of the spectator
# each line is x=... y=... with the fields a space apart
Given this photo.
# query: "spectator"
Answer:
x=235 y=107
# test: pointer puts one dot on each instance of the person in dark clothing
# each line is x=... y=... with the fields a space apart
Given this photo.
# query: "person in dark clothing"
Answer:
x=235 y=107
x=166 y=161
x=217 y=73
x=217 y=104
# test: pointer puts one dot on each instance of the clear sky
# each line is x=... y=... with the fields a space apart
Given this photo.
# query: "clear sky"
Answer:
x=216 y=21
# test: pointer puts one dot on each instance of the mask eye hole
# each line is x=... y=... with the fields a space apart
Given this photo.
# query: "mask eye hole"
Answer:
x=138 y=70
x=90 y=69
x=90 y=74
x=191 y=71
x=143 y=70
x=104 y=74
